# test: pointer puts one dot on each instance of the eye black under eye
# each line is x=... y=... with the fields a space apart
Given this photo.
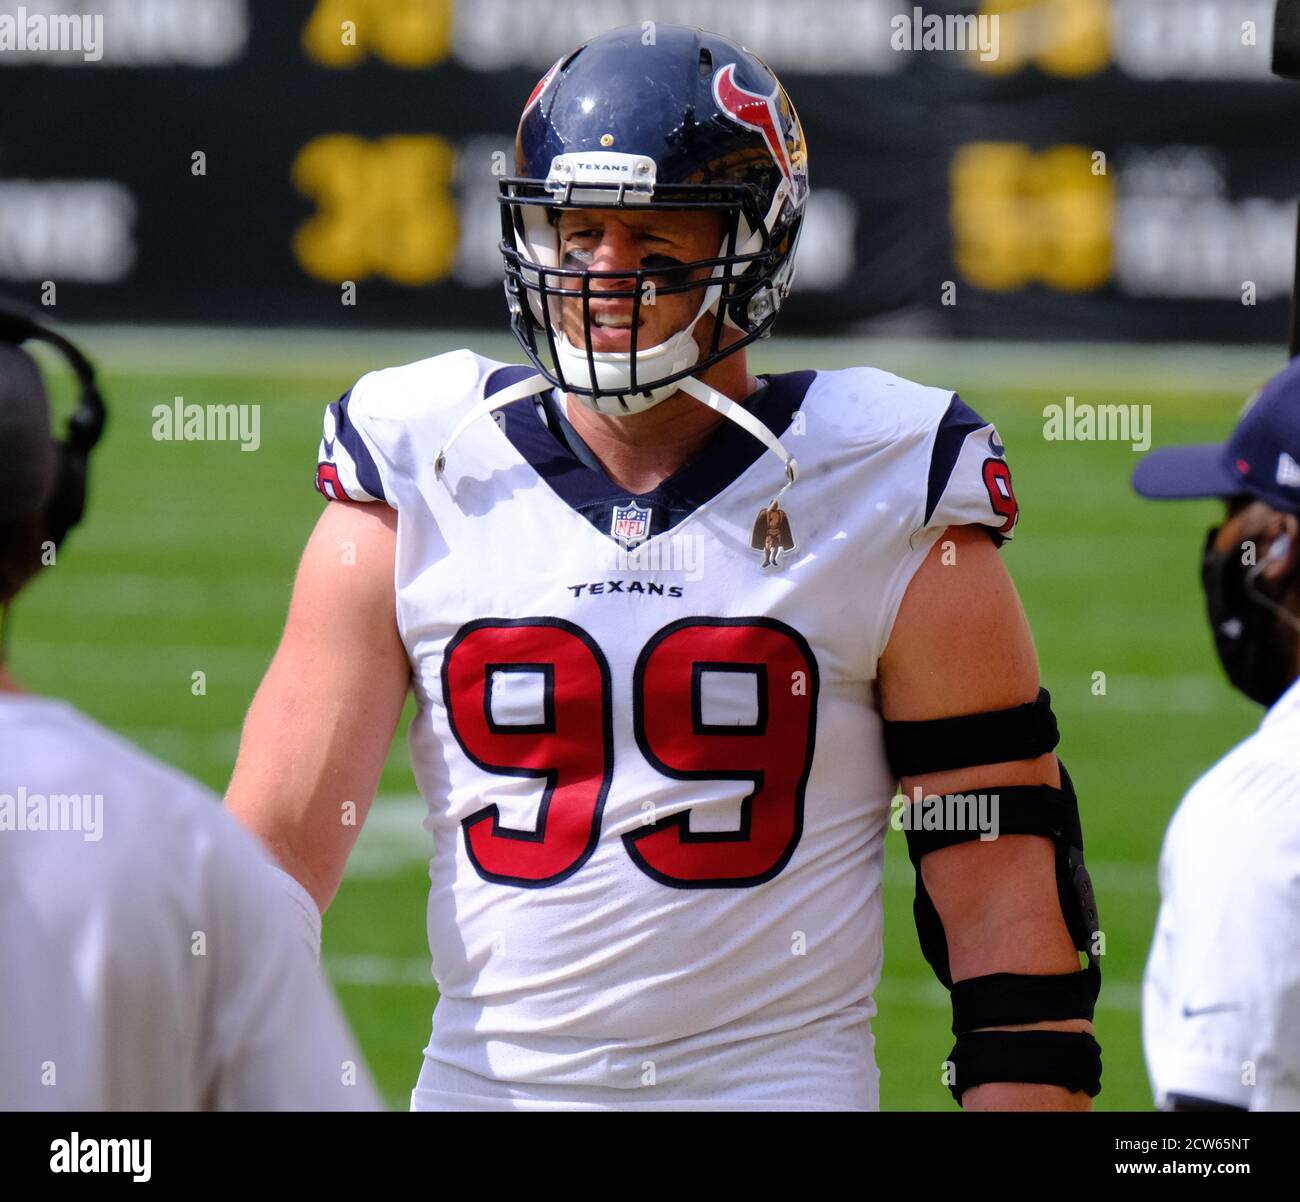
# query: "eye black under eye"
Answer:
x=667 y=270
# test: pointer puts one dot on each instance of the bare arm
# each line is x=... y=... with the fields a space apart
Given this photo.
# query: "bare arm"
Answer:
x=961 y=645
x=321 y=725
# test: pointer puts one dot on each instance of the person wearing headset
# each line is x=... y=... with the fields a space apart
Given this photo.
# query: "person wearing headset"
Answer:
x=147 y=959
x=1221 y=996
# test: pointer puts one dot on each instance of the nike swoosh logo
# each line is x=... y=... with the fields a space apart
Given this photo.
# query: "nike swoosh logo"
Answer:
x=329 y=447
x=1222 y=1008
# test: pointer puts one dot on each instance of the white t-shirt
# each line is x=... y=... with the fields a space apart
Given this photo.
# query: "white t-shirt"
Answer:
x=148 y=957
x=1221 y=998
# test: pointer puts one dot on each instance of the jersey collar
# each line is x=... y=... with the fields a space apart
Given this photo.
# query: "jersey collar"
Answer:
x=578 y=480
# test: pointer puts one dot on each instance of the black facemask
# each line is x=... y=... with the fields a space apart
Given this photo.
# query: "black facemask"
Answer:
x=1257 y=653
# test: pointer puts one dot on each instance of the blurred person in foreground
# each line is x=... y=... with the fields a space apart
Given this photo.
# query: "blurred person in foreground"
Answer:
x=147 y=961
x=1221 y=996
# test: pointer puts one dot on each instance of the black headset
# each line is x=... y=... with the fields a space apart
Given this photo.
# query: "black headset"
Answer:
x=68 y=499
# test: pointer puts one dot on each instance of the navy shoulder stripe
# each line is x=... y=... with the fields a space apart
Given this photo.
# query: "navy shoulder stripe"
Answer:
x=504 y=377
x=346 y=433
x=957 y=423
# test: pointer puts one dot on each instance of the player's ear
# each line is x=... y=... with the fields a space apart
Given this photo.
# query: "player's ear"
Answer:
x=1282 y=555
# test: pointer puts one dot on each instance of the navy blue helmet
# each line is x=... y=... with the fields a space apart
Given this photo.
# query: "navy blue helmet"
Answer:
x=653 y=117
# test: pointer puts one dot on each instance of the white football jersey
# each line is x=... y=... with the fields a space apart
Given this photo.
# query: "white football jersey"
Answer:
x=654 y=769
x=148 y=960
x=1221 y=995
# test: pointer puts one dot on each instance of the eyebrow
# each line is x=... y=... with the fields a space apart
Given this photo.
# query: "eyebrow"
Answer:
x=654 y=231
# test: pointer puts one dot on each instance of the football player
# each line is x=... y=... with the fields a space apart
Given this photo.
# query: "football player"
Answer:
x=659 y=800
x=147 y=961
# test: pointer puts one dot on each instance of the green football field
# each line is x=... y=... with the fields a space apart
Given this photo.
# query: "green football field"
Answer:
x=185 y=563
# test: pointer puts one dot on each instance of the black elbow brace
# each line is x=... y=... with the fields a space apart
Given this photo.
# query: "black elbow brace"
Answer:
x=1072 y=1060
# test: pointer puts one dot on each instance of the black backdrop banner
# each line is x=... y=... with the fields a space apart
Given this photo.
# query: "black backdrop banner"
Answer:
x=1016 y=168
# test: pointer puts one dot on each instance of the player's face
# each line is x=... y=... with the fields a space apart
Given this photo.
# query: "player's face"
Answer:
x=617 y=240
x=1244 y=518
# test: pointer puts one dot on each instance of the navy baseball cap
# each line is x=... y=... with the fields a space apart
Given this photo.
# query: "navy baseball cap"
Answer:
x=1262 y=458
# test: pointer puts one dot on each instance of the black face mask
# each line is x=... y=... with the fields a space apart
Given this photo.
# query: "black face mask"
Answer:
x=1258 y=655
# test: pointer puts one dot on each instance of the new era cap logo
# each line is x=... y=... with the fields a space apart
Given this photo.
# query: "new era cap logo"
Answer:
x=1288 y=470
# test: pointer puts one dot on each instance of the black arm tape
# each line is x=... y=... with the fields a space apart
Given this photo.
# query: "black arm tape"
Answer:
x=1008 y=999
x=1023 y=732
x=1021 y=810
x=1069 y=1059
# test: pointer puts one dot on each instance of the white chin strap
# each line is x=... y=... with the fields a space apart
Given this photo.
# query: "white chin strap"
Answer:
x=737 y=413
x=528 y=386
x=732 y=410
x=613 y=369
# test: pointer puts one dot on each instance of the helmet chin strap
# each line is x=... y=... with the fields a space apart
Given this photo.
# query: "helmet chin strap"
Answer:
x=736 y=412
x=732 y=410
x=529 y=386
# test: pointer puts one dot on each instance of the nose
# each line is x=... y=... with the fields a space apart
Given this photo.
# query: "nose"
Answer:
x=616 y=251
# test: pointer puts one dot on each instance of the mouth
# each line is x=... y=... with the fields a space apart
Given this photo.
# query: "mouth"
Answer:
x=612 y=331
x=613 y=321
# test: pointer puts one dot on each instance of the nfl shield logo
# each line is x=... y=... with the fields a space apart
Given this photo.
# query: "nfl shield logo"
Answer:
x=631 y=524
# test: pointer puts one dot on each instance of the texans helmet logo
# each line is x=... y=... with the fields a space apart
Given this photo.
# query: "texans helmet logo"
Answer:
x=541 y=87
x=754 y=111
